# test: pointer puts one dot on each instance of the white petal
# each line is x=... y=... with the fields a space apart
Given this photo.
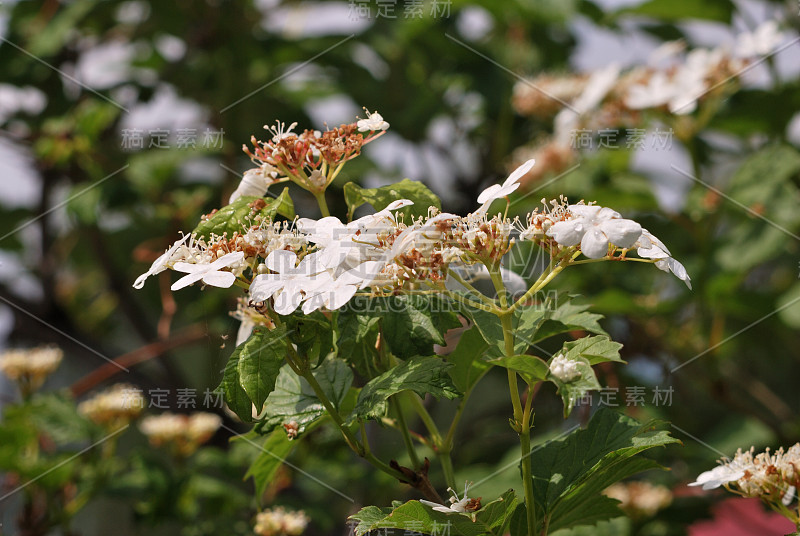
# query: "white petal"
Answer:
x=620 y=232
x=489 y=193
x=788 y=497
x=245 y=330
x=190 y=268
x=219 y=279
x=227 y=260
x=265 y=285
x=520 y=172
x=281 y=261
x=400 y=203
x=594 y=244
x=186 y=280
x=340 y=296
x=287 y=301
x=567 y=233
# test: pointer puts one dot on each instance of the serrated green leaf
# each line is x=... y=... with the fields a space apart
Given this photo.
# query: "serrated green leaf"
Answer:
x=380 y=198
x=573 y=470
x=597 y=349
x=566 y=317
x=412 y=324
x=260 y=359
x=532 y=369
x=423 y=375
x=467 y=360
x=235 y=396
x=243 y=212
x=357 y=335
x=294 y=400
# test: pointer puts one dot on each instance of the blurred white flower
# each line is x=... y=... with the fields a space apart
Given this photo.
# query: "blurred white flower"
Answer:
x=760 y=42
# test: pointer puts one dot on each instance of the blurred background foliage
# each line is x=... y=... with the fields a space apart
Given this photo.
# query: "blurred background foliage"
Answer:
x=83 y=213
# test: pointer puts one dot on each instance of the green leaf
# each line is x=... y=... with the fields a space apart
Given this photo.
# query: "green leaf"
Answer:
x=412 y=324
x=568 y=474
x=423 y=375
x=380 y=198
x=677 y=10
x=467 y=360
x=357 y=335
x=526 y=322
x=569 y=316
x=243 y=212
x=311 y=334
x=235 y=396
x=275 y=450
x=491 y=520
x=294 y=400
x=259 y=360
x=532 y=369
x=598 y=349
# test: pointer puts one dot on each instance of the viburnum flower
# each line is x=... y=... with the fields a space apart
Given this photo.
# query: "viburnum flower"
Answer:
x=211 y=274
x=719 y=476
x=509 y=186
x=640 y=498
x=464 y=505
x=291 y=281
x=761 y=41
x=770 y=476
x=372 y=123
x=29 y=368
x=113 y=408
x=564 y=369
x=594 y=228
x=184 y=432
x=161 y=263
x=280 y=522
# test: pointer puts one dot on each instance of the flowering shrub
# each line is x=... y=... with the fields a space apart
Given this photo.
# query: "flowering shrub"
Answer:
x=373 y=296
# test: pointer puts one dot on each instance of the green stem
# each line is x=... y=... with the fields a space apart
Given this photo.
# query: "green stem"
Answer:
x=323 y=205
x=403 y=427
x=333 y=412
x=447 y=469
x=522 y=417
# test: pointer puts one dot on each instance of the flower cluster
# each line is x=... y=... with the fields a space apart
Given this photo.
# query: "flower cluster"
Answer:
x=113 y=408
x=183 y=432
x=771 y=476
x=640 y=499
x=311 y=158
x=29 y=368
x=322 y=264
x=672 y=82
x=280 y=522
x=564 y=369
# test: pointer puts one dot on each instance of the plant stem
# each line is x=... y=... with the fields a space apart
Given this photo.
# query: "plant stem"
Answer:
x=485 y=299
x=522 y=417
x=441 y=447
x=323 y=205
x=403 y=427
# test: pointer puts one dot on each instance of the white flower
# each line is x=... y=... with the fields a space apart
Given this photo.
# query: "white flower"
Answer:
x=760 y=42
x=509 y=186
x=160 y=263
x=334 y=239
x=457 y=506
x=291 y=282
x=658 y=91
x=719 y=476
x=595 y=228
x=596 y=89
x=564 y=369
x=373 y=122
x=210 y=274
x=337 y=292
x=255 y=182
x=650 y=247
